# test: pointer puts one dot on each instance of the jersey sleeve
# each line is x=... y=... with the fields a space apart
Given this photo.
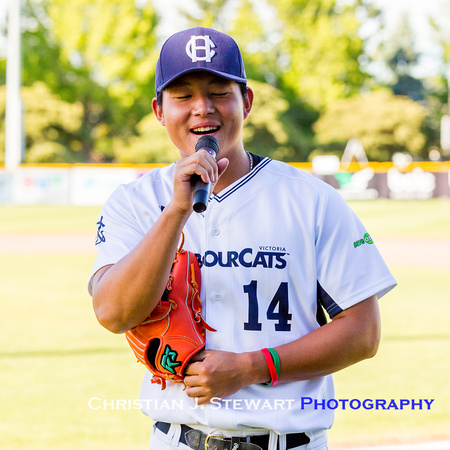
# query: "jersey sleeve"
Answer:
x=349 y=265
x=118 y=230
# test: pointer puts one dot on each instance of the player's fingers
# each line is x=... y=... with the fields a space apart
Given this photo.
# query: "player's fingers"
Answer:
x=195 y=391
x=205 y=166
x=187 y=170
x=200 y=356
x=209 y=164
x=195 y=376
x=222 y=165
x=199 y=394
x=192 y=369
x=192 y=388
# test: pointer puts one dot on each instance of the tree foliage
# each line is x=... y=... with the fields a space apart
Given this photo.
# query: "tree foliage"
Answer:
x=320 y=48
x=311 y=48
x=442 y=34
x=100 y=54
x=384 y=123
x=113 y=40
x=90 y=64
x=150 y=145
x=440 y=86
x=258 y=42
x=51 y=125
x=208 y=13
x=397 y=52
x=271 y=128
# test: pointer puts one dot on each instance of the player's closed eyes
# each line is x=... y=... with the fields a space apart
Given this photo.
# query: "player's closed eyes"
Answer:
x=214 y=94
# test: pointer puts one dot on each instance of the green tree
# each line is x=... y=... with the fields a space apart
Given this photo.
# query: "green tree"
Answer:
x=320 y=48
x=384 y=123
x=397 y=52
x=112 y=39
x=99 y=53
x=309 y=48
x=2 y=70
x=272 y=128
x=150 y=145
x=441 y=36
x=257 y=41
x=2 y=122
x=208 y=13
x=243 y=22
x=50 y=123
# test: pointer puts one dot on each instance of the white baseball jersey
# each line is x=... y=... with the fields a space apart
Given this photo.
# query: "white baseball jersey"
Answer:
x=272 y=246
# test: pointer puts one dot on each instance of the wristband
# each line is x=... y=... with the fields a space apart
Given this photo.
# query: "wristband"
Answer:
x=276 y=360
x=273 y=364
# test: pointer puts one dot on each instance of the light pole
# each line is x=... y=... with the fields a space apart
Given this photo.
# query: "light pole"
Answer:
x=445 y=123
x=13 y=115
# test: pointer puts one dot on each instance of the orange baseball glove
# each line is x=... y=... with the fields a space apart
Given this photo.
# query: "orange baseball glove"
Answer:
x=175 y=330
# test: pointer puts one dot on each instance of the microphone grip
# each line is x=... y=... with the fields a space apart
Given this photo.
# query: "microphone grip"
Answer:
x=202 y=191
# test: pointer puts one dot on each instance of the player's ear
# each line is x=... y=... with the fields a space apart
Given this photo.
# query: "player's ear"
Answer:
x=158 y=110
x=248 y=102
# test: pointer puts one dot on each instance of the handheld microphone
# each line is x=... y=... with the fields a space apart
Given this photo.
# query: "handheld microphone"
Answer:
x=202 y=190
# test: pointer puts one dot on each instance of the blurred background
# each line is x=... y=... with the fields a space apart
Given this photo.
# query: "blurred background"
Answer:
x=355 y=92
x=380 y=67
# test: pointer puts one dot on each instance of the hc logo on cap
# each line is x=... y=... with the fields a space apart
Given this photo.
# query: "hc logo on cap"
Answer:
x=192 y=48
x=201 y=47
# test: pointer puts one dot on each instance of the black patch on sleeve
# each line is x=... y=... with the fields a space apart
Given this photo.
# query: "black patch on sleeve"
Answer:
x=331 y=307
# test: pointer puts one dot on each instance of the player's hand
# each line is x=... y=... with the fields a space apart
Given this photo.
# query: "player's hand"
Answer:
x=200 y=163
x=214 y=374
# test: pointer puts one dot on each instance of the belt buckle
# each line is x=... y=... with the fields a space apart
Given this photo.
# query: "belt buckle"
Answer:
x=209 y=436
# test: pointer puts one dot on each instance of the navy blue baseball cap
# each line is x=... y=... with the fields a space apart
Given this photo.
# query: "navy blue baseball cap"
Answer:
x=199 y=49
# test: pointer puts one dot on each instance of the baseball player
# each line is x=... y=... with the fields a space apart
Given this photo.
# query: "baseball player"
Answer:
x=276 y=247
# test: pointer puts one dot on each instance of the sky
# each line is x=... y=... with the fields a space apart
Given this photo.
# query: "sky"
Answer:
x=417 y=10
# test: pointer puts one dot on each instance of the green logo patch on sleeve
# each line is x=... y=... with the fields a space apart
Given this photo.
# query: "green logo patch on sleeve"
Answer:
x=365 y=240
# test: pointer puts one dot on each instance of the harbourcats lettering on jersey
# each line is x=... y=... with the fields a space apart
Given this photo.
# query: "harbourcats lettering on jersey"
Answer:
x=245 y=258
x=267 y=256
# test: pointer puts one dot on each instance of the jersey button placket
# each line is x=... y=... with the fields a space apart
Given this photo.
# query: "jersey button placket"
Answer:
x=216 y=232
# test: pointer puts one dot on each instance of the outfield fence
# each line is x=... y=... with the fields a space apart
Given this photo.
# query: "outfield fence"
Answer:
x=89 y=184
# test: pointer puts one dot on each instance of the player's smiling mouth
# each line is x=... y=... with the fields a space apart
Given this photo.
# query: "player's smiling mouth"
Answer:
x=204 y=130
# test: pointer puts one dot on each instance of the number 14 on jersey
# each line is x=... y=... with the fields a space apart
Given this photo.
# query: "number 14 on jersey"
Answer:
x=278 y=310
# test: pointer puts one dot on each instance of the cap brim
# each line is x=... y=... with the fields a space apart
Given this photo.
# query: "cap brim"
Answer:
x=201 y=69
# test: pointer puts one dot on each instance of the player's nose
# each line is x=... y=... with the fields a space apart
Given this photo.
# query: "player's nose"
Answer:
x=203 y=105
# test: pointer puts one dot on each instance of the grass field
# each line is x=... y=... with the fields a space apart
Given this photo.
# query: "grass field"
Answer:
x=58 y=365
x=383 y=217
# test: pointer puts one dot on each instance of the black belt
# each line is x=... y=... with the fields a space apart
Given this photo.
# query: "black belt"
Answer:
x=215 y=443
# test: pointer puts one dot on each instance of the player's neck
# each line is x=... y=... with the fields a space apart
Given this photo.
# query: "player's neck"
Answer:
x=238 y=167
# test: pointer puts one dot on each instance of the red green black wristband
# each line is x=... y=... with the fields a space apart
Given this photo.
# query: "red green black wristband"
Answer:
x=273 y=364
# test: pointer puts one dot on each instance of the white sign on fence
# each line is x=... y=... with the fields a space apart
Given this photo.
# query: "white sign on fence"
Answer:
x=40 y=186
x=91 y=186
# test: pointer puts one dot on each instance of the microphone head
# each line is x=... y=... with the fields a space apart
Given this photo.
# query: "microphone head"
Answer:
x=209 y=142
